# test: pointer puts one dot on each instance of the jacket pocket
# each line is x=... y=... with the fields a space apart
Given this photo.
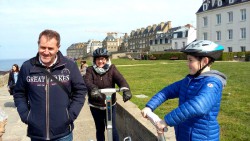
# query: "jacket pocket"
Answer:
x=61 y=122
x=27 y=119
x=35 y=124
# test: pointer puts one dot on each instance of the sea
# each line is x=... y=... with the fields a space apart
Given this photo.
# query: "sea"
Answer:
x=6 y=64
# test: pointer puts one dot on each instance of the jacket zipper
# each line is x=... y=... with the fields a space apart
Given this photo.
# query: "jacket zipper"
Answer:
x=47 y=107
x=68 y=118
x=28 y=117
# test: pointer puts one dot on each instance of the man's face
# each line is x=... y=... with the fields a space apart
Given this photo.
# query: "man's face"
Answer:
x=47 y=50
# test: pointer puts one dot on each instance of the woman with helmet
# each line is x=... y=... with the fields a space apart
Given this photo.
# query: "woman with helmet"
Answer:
x=199 y=96
x=102 y=75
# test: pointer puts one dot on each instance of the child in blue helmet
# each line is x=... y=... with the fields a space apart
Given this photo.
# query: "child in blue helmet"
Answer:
x=199 y=96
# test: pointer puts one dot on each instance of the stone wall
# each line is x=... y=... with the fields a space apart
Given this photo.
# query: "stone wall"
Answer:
x=4 y=79
x=131 y=123
x=118 y=55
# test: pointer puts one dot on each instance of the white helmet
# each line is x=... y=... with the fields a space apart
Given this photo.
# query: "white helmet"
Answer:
x=204 y=48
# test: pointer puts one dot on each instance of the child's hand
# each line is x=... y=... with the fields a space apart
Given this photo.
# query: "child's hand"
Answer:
x=145 y=111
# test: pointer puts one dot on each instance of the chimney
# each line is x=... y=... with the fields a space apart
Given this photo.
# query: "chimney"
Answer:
x=162 y=24
x=109 y=34
x=169 y=23
x=188 y=25
x=149 y=27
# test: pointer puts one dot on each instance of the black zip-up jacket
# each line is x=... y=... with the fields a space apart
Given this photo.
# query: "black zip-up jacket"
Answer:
x=11 y=82
x=106 y=80
x=42 y=104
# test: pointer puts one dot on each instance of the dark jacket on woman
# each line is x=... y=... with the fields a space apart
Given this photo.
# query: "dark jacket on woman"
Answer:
x=41 y=103
x=11 y=82
x=106 y=80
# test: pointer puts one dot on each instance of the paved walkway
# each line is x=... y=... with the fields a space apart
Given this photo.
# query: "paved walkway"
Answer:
x=16 y=130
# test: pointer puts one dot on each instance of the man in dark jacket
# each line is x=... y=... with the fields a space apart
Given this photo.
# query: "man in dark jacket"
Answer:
x=48 y=106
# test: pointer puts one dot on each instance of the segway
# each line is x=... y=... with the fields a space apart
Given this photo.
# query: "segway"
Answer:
x=108 y=92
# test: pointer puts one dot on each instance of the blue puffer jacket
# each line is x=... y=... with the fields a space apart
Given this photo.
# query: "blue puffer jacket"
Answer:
x=195 y=119
x=42 y=104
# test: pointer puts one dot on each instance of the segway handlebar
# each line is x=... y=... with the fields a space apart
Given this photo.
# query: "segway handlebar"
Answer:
x=153 y=118
x=110 y=91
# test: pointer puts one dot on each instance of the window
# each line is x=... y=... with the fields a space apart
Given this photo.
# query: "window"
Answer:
x=205 y=36
x=243 y=33
x=160 y=41
x=156 y=42
x=151 y=42
x=218 y=18
x=230 y=34
x=243 y=14
x=230 y=16
x=175 y=45
x=230 y=49
x=166 y=40
x=184 y=34
x=204 y=6
x=219 y=2
x=175 y=35
x=218 y=35
x=243 y=49
x=205 y=21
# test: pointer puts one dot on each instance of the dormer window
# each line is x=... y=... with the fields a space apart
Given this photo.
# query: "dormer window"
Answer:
x=231 y=1
x=219 y=2
x=205 y=5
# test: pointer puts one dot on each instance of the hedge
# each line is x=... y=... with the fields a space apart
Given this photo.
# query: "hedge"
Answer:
x=226 y=56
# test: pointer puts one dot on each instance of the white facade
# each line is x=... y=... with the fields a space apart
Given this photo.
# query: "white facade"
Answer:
x=93 y=45
x=180 y=42
x=175 y=40
x=227 y=25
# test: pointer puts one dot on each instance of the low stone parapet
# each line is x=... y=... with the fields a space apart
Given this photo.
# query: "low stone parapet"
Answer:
x=130 y=122
x=4 y=79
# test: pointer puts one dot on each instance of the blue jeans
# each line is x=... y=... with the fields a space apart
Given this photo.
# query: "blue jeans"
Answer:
x=68 y=137
x=100 y=123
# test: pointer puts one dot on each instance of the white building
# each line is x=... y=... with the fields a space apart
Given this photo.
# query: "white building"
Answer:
x=183 y=36
x=226 y=22
x=95 y=44
x=175 y=39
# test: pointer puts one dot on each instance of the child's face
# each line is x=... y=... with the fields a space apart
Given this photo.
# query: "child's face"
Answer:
x=193 y=64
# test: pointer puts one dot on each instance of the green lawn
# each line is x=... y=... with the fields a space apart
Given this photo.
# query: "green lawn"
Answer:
x=147 y=77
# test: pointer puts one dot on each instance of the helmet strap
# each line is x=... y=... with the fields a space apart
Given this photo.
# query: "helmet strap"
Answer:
x=199 y=71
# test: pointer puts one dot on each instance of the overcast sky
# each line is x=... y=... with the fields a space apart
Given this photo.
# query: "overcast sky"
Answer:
x=21 y=21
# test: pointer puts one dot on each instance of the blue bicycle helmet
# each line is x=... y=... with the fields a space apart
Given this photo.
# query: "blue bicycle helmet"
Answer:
x=204 y=48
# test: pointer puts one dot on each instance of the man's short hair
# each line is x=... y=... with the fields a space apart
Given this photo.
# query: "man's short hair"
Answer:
x=50 y=34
